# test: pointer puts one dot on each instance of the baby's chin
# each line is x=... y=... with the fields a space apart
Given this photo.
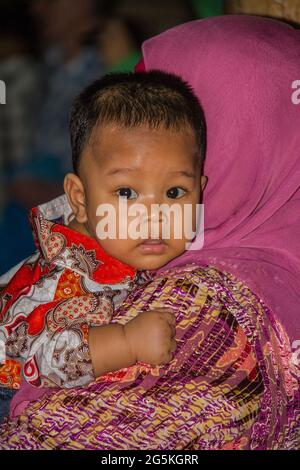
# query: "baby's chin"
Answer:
x=150 y=266
x=151 y=263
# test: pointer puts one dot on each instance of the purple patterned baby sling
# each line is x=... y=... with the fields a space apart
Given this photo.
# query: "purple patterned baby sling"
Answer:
x=231 y=384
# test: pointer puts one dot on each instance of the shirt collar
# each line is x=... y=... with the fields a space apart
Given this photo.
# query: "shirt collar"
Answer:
x=62 y=246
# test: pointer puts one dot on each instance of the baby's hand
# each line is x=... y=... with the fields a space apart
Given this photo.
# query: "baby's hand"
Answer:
x=151 y=336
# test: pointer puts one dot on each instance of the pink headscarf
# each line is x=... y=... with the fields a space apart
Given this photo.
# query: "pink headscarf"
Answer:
x=242 y=69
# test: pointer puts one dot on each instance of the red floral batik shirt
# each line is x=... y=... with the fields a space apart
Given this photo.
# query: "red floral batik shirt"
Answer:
x=49 y=301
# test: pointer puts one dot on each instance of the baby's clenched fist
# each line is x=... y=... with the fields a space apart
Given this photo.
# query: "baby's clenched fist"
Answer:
x=150 y=336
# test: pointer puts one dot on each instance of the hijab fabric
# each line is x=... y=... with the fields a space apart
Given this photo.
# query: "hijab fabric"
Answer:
x=242 y=69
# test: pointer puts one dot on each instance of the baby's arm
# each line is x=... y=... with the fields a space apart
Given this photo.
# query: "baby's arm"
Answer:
x=59 y=344
x=109 y=349
x=147 y=338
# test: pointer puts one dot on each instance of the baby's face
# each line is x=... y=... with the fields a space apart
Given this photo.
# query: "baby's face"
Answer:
x=145 y=167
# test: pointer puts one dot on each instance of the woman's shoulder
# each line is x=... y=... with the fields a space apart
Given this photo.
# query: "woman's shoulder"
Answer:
x=205 y=288
x=212 y=279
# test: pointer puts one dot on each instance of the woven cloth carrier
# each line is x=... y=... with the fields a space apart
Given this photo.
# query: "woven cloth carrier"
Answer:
x=230 y=384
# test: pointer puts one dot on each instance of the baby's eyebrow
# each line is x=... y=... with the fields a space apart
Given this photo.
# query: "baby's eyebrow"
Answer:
x=183 y=173
x=115 y=171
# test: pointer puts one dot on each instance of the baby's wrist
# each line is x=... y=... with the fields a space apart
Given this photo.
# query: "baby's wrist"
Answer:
x=130 y=348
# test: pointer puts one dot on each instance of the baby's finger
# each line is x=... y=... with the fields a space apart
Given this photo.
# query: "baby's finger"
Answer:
x=166 y=359
x=164 y=310
x=173 y=346
x=173 y=331
x=161 y=307
x=170 y=317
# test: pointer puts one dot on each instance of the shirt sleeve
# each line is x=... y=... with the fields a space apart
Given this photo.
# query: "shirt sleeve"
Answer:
x=63 y=360
x=51 y=341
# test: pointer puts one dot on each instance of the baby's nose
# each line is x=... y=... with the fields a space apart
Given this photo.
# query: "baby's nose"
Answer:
x=152 y=212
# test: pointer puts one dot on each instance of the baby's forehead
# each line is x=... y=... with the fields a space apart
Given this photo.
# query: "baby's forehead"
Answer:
x=112 y=144
x=112 y=147
x=114 y=135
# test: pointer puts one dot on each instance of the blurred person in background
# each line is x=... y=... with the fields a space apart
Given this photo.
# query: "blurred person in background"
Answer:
x=128 y=23
x=119 y=43
x=69 y=62
x=65 y=32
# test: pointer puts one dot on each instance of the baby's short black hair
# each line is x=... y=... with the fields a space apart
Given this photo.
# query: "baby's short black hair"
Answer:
x=155 y=99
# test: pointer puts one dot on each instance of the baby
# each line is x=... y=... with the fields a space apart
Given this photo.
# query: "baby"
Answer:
x=138 y=141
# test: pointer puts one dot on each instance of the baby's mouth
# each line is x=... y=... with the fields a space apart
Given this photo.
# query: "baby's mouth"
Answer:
x=150 y=245
x=153 y=241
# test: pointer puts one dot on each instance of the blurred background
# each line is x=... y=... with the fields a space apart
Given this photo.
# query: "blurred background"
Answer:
x=49 y=51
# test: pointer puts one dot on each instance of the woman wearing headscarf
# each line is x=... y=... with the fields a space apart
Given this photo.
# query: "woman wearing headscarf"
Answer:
x=234 y=380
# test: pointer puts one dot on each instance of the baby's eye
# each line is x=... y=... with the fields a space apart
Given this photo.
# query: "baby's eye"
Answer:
x=126 y=192
x=176 y=192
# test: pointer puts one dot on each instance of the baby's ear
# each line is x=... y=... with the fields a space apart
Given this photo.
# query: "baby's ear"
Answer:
x=76 y=196
x=203 y=183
